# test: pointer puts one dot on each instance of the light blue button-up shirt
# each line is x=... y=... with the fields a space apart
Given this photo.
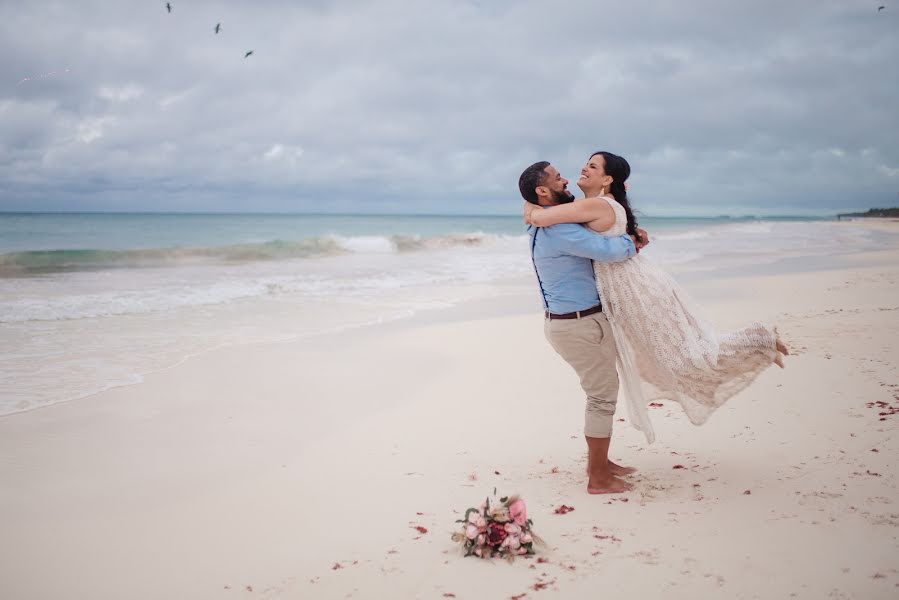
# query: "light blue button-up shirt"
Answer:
x=563 y=260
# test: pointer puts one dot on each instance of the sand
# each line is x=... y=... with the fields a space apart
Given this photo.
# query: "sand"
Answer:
x=303 y=469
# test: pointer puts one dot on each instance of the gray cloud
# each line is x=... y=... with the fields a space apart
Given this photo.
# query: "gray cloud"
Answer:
x=721 y=107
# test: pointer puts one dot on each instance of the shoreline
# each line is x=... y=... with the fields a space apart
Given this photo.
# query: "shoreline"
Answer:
x=518 y=296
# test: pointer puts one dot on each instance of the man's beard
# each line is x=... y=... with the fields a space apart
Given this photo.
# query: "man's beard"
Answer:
x=562 y=196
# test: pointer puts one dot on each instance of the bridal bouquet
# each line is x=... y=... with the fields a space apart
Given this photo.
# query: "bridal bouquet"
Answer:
x=499 y=529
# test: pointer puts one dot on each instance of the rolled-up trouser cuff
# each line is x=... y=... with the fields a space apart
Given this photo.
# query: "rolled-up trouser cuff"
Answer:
x=597 y=426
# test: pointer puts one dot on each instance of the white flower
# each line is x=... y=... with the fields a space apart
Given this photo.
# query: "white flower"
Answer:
x=500 y=514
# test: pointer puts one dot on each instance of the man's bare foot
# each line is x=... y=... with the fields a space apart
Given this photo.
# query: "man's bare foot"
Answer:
x=619 y=470
x=616 y=469
x=609 y=485
x=779 y=360
x=781 y=347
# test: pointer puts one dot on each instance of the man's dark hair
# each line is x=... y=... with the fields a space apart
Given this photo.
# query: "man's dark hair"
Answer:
x=530 y=179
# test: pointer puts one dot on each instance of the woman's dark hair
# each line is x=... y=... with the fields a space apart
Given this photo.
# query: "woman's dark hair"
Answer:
x=619 y=170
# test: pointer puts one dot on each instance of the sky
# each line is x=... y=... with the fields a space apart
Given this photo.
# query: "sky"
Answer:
x=396 y=106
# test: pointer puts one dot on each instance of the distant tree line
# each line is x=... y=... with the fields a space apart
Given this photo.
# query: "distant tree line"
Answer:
x=891 y=213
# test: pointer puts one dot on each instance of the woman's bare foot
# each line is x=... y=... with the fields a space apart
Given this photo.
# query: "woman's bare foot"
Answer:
x=779 y=360
x=608 y=485
x=781 y=347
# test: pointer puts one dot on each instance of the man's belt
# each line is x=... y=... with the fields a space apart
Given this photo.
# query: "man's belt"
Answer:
x=574 y=315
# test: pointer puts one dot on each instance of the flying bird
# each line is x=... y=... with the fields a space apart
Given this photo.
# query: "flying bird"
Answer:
x=218 y=26
x=168 y=6
x=249 y=52
x=880 y=8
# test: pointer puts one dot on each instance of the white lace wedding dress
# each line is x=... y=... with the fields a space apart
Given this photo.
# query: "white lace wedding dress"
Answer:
x=665 y=349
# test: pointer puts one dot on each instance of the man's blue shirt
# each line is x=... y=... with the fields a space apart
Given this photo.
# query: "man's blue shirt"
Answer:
x=563 y=258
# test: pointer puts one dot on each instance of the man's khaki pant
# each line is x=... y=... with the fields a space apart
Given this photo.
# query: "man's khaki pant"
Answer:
x=588 y=346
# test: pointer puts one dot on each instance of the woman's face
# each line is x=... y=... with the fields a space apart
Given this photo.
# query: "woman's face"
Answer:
x=593 y=176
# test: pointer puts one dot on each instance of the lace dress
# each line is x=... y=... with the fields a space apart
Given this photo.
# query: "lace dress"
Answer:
x=665 y=349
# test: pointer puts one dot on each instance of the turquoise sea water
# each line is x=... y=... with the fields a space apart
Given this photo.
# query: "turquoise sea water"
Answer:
x=58 y=231
x=33 y=243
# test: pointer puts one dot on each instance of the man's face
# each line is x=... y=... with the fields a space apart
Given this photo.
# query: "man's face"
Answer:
x=556 y=186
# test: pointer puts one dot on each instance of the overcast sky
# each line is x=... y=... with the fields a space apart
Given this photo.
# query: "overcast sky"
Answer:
x=433 y=106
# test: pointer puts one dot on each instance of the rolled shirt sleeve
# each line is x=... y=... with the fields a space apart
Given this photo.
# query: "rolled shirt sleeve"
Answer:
x=577 y=240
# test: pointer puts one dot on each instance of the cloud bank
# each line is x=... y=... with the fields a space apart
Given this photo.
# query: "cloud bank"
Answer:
x=436 y=107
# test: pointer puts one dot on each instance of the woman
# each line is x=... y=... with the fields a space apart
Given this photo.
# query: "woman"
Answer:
x=665 y=349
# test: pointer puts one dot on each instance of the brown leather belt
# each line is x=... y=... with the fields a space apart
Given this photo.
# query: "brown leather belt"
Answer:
x=573 y=315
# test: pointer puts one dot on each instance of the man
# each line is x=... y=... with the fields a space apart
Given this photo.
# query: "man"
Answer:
x=574 y=323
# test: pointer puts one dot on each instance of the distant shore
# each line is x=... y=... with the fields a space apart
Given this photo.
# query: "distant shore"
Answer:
x=873 y=213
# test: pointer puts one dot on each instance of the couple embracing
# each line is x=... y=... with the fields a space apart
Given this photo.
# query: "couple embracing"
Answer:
x=606 y=306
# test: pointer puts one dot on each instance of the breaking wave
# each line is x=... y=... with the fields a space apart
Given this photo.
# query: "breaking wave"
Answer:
x=36 y=262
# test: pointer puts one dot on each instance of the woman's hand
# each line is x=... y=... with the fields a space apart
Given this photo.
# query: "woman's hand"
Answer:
x=643 y=240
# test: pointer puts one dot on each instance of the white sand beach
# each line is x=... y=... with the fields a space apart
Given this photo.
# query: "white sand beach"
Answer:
x=302 y=469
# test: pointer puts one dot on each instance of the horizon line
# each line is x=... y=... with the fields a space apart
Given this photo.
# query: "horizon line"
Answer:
x=411 y=214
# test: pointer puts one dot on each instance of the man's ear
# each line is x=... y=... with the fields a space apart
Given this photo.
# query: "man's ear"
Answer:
x=542 y=191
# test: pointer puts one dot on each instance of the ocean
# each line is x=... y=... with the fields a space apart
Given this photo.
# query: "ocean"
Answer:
x=93 y=301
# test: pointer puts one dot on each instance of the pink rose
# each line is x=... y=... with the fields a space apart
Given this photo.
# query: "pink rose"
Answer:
x=512 y=528
x=471 y=532
x=481 y=523
x=512 y=542
x=519 y=512
x=481 y=539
